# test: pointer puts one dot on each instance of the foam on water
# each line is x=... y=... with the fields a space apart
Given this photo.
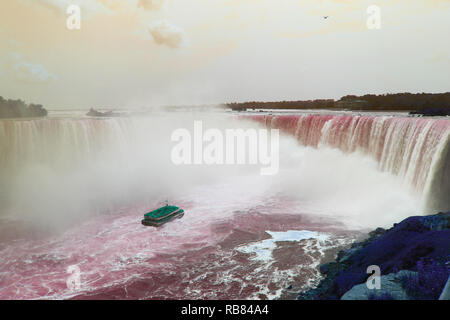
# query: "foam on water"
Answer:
x=263 y=250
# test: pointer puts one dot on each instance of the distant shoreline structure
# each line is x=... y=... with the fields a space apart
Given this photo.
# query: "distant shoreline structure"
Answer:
x=94 y=113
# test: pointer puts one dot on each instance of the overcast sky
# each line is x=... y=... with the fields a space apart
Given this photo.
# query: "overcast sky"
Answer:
x=132 y=53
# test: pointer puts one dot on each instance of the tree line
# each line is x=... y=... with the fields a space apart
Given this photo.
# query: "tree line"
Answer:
x=370 y=102
x=10 y=108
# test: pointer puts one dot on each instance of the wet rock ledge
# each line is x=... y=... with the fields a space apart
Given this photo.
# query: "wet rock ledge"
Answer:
x=413 y=257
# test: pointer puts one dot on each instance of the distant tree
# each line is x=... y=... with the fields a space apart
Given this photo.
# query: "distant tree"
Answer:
x=18 y=108
x=391 y=101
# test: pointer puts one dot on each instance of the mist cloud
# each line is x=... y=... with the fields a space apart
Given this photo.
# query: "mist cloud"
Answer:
x=167 y=34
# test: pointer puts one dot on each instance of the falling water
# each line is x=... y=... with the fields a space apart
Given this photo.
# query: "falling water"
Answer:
x=417 y=150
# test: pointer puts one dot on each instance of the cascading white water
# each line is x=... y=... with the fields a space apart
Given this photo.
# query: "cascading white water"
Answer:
x=64 y=167
x=415 y=149
x=72 y=166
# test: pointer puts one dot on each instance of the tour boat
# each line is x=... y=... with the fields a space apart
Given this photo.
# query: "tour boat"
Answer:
x=162 y=215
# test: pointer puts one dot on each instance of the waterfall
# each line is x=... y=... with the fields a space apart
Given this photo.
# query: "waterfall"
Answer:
x=77 y=164
x=417 y=150
x=68 y=167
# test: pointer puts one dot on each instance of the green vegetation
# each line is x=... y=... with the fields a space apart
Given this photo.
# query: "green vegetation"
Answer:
x=370 y=102
x=18 y=109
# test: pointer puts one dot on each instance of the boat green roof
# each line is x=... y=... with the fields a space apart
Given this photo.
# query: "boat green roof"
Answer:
x=161 y=212
x=160 y=222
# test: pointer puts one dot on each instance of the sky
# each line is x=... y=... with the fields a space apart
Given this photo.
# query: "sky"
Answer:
x=144 y=53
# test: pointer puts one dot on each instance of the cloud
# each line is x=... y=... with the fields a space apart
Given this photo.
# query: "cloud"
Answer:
x=167 y=34
x=33 y=72
x=151 y=4
x=30 y=72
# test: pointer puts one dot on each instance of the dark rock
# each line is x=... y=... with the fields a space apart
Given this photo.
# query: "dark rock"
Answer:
x=377 y=232
x=329 y=267
x=439 y=221
x=399 y=248
x=391 y=289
